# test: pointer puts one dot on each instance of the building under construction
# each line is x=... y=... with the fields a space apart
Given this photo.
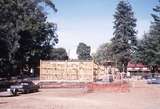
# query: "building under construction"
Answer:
x=75 y=71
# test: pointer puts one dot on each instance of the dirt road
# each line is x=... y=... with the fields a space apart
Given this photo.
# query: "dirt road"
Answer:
x=146 y=97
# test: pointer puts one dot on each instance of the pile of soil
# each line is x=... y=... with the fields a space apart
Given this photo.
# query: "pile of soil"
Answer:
x=121 y=86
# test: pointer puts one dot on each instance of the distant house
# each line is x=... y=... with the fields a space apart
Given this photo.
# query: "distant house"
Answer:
x=138 y=69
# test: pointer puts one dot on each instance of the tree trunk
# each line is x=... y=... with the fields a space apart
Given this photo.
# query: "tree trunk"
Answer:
x=154 y=69
x=125 y=67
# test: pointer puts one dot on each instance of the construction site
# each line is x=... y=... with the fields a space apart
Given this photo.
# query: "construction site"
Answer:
x=139 y=96
x=77 y=71
x=84 y=85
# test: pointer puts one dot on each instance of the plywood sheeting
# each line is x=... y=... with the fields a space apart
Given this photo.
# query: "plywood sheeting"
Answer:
x=81 y=71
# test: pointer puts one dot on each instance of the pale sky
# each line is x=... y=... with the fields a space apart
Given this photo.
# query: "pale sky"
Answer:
x=91 y=21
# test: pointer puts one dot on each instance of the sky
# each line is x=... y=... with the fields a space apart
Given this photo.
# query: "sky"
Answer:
x=91 y=21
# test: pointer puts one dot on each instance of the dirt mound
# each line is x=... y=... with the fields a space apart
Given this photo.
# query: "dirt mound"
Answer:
x=120 y=86
x=109 y=87
x=62 y=85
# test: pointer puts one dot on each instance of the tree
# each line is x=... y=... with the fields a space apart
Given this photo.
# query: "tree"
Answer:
x=124 y=40
x=83 y=52
x=10 y=24
x=58 y=54
x=149 y=47
x=24 y=33
x=103 y=54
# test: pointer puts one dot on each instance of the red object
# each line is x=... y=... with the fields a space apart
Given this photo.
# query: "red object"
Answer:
x=139 y=65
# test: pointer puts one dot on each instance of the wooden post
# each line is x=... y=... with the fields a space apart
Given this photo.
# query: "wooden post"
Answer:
x=92 y=70
x=40 y=70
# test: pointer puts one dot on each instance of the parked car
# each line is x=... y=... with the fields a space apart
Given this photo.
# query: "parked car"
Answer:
x=24 y=87
x=4 y=84
x=155 y=80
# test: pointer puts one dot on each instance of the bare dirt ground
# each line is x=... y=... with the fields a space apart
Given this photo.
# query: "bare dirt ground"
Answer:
x=140 y=96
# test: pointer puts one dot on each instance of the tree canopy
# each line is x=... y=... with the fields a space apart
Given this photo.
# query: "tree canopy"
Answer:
x=124 y=40
x=149 y=47
x=103 y=54
x=58 y=54
x=83 y=51
x=24 y=33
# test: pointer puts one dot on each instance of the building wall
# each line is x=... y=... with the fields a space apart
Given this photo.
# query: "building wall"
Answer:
x=81 y=71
